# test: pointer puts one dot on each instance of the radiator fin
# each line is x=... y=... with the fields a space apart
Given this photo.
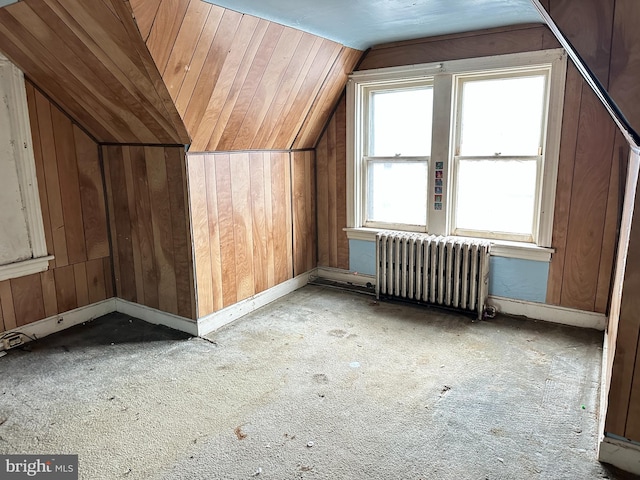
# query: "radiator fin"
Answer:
x=448 y=271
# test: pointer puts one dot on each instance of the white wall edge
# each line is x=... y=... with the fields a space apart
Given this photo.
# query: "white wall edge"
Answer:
x=157 y=317
x=624 y=455
x=344 y=276
x=216 y=320
x=62 y=321
x=549 y=313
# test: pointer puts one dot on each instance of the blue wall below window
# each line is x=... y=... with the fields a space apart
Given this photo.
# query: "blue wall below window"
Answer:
x=508 y=277
x=362 y=257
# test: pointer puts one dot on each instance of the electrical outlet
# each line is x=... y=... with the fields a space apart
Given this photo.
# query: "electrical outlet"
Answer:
x=12 y=341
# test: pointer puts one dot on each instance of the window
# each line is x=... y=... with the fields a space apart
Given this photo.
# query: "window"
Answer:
x=467 y=147
x=23 y=248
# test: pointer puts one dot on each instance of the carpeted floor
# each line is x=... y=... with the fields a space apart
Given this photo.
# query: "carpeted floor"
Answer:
x=322 y=384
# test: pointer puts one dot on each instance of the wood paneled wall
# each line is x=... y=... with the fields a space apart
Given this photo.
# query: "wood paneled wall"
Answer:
x=605 y=34
x=333 y=245
x=592 y=164
x=303 y=185
x=150 y=229
x=248 y=234
x=75 y=222
x=90 y=58
x=240 y=82
x=495 y=41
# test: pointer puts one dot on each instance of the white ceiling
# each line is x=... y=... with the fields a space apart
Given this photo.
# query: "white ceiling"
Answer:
x=361 y=24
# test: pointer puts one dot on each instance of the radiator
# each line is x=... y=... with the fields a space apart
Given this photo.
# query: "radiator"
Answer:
x=447 y=271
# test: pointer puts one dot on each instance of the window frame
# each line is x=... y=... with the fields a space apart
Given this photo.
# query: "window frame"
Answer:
x=368 y=159
x=12 y=88
x=446 y=77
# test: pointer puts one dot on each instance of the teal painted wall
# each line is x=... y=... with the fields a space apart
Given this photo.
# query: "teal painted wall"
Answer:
x=519 y=279
x=508 y=277
x=362 y=257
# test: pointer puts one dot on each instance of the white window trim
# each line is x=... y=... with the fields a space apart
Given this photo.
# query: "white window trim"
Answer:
x=442 y=128
x=16 y=98
x=499 y=248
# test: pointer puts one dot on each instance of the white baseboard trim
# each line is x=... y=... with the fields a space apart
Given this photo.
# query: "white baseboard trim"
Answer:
x=62 y=321
x=344 y=276
x=549 y=313
x=537 y=311
x=621 y=454
x=216 y=320
x=157 y=317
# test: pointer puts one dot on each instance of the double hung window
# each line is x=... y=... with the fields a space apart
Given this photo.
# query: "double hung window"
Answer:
x=467 y=147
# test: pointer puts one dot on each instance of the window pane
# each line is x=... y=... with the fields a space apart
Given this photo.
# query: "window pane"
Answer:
x=401 y=122
x=502 y=116
x=397 y=192
x=496 y=196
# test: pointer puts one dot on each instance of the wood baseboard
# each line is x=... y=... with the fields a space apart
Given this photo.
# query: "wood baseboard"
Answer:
x=509 y=306
x=549 y=313
x=216 y=320
x=619 y=453
x=157 y=317
x=62 y=321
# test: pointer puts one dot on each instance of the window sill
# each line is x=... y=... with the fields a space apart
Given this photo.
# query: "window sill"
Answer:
x=499 y=248
x=26 y=267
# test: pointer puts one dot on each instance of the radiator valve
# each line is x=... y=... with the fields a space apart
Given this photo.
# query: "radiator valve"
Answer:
x=489 y=312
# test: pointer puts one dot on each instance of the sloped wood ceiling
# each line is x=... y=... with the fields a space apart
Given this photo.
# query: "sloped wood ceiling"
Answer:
x=240 y=82
x=89 y=57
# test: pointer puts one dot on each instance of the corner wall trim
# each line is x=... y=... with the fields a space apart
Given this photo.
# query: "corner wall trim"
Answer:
x=216 y=320
x=549 y=313
x=157 y=317
x=62 y=321
x=621 y=454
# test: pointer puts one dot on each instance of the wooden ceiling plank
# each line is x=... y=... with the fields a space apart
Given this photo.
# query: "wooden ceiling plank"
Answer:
x=326 y=99
x=33 y=67
x=182 y=136
x=282 y=96
x=107 y=36
x=145 y=13
x=218 y=51
x=144 y=71
x=229 y=87
x=77 y=58
x=132 y=86
x=164 y=31
x=198 y=59
x=184 y=48
x=290 y=102
x=234 y=72
x=307 y=94
x=110 y=7
x=258 y=67
x=51 y=76
x=268 y=87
